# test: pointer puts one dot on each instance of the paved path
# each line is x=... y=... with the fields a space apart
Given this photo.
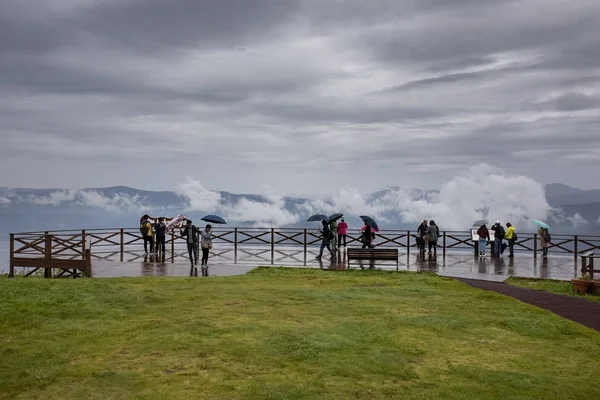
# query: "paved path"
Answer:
x=581 y=311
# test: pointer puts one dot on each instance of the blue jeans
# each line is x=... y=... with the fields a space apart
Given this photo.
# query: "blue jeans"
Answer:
x=482 y=244
x=323 y=245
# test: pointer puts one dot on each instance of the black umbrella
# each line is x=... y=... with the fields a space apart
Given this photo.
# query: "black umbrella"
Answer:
x=479 y=223
x=370 y=221
x=334 y=217
x=317 y=218
x=215 y=219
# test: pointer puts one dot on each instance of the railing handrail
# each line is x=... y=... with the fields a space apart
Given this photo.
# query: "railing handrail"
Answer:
x=288 y=229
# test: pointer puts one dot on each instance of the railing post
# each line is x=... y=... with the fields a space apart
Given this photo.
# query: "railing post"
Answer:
x=235 y=243
x=88 y=263
x=305 y=245
x=407 y=243
x=444 y=243
x=535 y=245
x=122 y=241
x=83 y=237
x=272 y=245
x=575 y=245
x=591 y=267
x=48 y=258
x=172 y=247
x=11 y=273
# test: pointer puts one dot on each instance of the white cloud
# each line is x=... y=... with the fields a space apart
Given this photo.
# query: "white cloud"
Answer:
x=4 y=201
x=89 y=198
x=198 y=197
x=577 y=220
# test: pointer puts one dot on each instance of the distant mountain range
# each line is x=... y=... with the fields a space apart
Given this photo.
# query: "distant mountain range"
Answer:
x=576 y=210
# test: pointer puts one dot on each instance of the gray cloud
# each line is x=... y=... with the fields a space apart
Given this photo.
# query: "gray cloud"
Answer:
x=303 y=95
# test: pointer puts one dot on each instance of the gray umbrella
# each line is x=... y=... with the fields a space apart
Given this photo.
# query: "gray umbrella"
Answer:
x=479 y=223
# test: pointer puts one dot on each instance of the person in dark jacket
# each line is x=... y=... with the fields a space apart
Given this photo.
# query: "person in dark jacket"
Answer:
x=434 y=234
x=498 y=238
x=190 y=233
x=422 y=235
x=484 y=237
x=327 y=236
x=160 y=232
x=367 y=236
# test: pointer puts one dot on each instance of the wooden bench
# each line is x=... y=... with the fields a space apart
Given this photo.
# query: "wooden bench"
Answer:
x=587 y=264
x=355 y=253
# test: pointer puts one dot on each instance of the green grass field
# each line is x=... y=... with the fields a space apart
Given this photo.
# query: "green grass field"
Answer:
x=286 y=334
x=547 y=285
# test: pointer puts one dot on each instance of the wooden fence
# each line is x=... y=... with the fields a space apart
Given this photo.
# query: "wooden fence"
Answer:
x=74 y=250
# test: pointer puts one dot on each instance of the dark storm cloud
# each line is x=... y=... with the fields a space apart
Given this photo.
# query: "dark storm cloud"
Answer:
x=413 y=84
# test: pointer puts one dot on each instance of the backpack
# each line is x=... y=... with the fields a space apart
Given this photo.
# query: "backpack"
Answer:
x=327 y=233
x=548 y=237
x=144 y=228
x=500 y=232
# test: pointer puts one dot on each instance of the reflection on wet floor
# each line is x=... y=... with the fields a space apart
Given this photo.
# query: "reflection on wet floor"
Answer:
x=229 y=261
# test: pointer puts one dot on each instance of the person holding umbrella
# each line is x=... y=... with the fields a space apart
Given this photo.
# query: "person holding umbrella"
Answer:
x=326 y=240
x=484 y=237
x=206 y=238
x=545 y=238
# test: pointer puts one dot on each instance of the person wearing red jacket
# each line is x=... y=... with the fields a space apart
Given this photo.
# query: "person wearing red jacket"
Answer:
x=342 y=231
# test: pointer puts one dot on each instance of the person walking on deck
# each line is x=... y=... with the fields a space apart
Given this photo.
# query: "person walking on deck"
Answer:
x=434 y=234
x=190 y=233
x=422 y=236
x=333 y=227
x=326 y=240
x=342 y=232
x=146 y=231
x=544 y=241
x=484 y=237
x=206 y=238
x=498 y=237
x=511 y=236
x=160 y=232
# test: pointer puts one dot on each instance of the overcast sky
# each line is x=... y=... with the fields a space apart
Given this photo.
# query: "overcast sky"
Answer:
x=306 y=96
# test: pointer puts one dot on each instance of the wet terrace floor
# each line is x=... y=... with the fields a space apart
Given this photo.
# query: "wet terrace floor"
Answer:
x=225 y=261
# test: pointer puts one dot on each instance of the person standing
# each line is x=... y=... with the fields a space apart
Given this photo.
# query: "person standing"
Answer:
x=342 y=232
x=511 y=236
x=367 y=236
x=190 y=233
x=146 y=231
x=160 y=229
x=498 y=237
x=333 y=228
x=326 y=240
x=484 y=237
x=423 y=236
x=206 y=238
x=544 y=241
x=434 y=234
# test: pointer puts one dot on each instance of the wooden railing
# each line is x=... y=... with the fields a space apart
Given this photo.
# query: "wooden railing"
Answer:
x=109 y=243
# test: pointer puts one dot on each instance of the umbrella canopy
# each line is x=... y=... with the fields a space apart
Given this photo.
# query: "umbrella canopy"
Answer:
x=541 y=224
x=317 y=218
x=370 y=221
x=480 y=222
x=215 y=219
x=334 y=217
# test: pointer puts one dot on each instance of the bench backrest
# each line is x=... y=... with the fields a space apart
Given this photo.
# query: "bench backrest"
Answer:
x=372 y=253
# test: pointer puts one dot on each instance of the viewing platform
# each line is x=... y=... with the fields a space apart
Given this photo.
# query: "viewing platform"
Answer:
x=119 y=252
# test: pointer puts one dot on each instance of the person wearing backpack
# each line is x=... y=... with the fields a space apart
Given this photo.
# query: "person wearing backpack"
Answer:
x=160 y=233
x=498 y=237
x=511 y=236
x=327 y=236
x=146 y=231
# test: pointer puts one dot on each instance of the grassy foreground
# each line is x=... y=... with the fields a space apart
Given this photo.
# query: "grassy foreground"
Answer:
x=547 y=285
x=285 y=334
